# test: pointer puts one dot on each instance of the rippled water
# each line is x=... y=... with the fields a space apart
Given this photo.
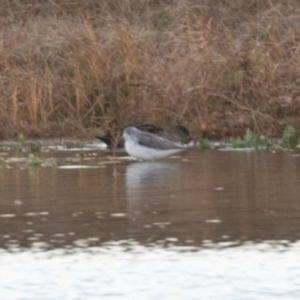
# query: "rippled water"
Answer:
x=220 y=224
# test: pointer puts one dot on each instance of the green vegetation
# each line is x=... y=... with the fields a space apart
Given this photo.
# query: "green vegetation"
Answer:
x=250 y=140
x=219 y=67
x=35 y=148
x=20 y=143
x=33 y=161
x=163 y=20
x=203 y=143
x=68 y=161
x=289 y=140
x=3 y=164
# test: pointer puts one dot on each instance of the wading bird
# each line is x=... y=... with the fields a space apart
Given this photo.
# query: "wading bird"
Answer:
x=175 y=133
x=149 y=146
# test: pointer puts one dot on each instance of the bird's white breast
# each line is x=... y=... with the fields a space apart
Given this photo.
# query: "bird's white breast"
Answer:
x=141 y=152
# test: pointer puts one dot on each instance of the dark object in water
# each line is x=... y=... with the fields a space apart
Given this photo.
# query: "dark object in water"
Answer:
x=177 y=133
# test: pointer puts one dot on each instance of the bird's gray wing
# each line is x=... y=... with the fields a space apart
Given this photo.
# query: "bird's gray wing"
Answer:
x=152 y=128
x=156 y=142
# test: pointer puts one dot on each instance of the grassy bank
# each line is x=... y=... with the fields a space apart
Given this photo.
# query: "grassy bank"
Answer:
x=218 y=67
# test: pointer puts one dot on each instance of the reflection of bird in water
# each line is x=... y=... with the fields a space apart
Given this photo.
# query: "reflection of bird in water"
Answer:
x=149 y=146
x=176 y=133
x=147 y=182
x=144 y=174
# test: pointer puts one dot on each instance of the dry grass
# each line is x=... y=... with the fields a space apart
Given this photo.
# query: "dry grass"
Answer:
x=218 y=67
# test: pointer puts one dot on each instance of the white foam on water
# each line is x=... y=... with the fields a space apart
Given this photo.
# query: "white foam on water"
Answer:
x=263 y=271
x=71 y=167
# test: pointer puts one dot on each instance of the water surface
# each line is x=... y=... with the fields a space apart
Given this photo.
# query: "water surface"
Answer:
x=225 y=224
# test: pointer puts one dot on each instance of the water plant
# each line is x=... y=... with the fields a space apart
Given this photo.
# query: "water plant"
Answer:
x=80 y=144
x=33 y=161
x=251 y=140
x=35 y=148
x=290 y=137
x=289 y=140
x=3 y=163
x=67 y=161
x=203 y=143
x=20 y=143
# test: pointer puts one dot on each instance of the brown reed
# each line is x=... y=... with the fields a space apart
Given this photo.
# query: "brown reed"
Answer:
x=217 y=67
